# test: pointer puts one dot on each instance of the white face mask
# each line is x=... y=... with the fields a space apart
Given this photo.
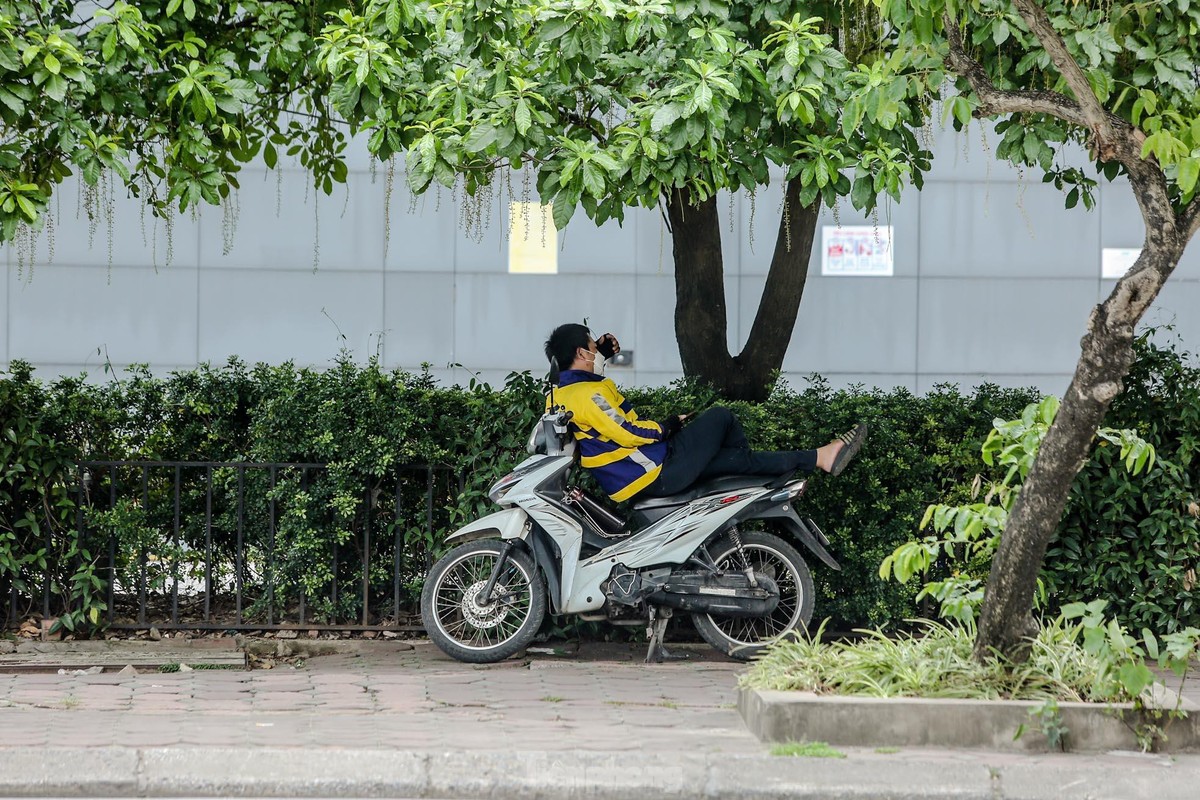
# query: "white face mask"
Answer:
x=598 y=362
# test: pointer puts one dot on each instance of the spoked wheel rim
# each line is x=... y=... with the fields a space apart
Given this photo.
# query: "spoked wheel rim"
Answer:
x=787 y=616
x=470 y=624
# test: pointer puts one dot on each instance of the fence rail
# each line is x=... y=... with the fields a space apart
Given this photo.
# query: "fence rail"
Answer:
x=205 y=545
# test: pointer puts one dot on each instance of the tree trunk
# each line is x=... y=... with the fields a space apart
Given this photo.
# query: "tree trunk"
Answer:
x=701 y=321
x=1006 y=622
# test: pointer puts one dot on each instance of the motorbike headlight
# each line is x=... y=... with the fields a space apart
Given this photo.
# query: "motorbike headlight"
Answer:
x=501 y=487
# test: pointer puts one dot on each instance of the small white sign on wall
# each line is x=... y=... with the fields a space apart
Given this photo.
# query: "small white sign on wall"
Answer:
x=1116 y=261
x=532 y=239
x=856 y=250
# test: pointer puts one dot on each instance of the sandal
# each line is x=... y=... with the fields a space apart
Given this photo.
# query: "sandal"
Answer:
x=853 y=440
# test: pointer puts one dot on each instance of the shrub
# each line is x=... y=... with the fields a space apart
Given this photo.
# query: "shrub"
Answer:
x=1135 y=541
x=366 y=424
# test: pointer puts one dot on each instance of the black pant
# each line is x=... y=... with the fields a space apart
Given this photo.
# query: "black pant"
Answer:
x=714 y=445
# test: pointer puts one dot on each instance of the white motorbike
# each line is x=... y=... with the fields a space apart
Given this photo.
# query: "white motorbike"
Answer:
x=553 y=547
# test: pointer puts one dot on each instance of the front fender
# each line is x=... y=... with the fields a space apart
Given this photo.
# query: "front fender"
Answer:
x=514 y=523
x=511 y=523
x=795 y=526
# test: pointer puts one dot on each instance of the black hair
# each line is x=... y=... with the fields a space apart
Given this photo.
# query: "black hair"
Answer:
x=564 y=341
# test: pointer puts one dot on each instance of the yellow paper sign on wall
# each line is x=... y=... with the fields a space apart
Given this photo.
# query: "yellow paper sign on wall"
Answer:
x=532 y=239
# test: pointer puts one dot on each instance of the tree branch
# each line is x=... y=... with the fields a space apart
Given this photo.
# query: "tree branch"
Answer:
x=1112 y=138
x=1189 y=220
x=993 y=101
x=1098 y=119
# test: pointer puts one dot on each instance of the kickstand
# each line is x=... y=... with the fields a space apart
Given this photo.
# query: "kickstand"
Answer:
x=657 y=627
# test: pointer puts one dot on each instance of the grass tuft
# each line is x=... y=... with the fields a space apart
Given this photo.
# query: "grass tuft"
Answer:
x=806 y=749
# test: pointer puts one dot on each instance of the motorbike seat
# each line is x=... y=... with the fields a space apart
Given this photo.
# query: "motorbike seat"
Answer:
x=725 y=483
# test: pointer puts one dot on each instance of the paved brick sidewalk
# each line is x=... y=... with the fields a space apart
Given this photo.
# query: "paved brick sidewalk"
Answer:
x=401 y=722
x=395 y=696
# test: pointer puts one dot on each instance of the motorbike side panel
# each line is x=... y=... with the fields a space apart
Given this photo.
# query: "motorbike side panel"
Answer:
x=671 y=540
x=676 y=536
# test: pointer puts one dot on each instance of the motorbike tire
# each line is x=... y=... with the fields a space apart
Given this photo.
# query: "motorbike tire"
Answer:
x=467 y=631
x=746 y=638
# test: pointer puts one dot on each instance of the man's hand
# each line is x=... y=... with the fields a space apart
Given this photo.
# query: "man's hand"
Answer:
x=608 y=345
x=671 y=425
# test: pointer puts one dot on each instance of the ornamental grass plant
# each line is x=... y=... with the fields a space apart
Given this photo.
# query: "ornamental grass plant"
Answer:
x=934 y=660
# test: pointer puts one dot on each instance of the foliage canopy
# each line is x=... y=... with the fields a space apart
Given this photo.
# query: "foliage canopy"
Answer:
x=616 y=102
x=166 y=98
x=611 y=102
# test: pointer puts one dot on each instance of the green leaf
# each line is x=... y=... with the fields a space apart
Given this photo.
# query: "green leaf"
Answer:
x=522 y=117
x=427 y=148
x=12 y=101
x=56 y=88
x=189 y=9
x=1189 y=172
x=128 y=36
x=270 y=155
x=562 y=211
x=593 y=180
x=27 y=208
x=1000 y=32
x=1073 y=610
x=53 y=65
x=1150 y=642
x=554 y=28
x=1033 y=147
x=392 y=16
x=852 y=116
x=173 y=6
x=665 y=117
x=1135 y=677
x=480 y=138
x=861 y=194
x=444 y=173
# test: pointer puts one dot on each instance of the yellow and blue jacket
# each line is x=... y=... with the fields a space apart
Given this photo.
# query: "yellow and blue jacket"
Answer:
x=623 y=453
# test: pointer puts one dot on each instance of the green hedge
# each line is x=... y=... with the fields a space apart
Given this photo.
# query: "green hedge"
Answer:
x=366 y=422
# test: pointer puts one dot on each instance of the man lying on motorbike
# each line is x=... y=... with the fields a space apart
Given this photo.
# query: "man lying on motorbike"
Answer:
x=629 y=456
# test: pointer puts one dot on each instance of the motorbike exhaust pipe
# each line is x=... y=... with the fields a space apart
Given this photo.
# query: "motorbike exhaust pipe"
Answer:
x=719 y=601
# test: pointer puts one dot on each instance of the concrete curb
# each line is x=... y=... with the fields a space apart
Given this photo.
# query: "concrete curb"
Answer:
x=921 y=722
x=579 y=775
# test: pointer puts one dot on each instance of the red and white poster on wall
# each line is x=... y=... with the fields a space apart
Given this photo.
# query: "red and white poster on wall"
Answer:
x=856 y=250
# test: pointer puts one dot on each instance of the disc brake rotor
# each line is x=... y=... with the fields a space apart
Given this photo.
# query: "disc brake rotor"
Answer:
x=482 y=616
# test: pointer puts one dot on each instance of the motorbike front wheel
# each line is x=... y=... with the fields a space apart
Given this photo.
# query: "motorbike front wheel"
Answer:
x=768 y=555
x=464 y=627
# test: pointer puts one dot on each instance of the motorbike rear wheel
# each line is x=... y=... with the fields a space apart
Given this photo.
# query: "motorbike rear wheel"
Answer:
x=768 y=554
x=464 y=628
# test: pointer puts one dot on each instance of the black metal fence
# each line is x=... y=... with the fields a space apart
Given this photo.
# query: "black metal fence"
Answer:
x=252 y=546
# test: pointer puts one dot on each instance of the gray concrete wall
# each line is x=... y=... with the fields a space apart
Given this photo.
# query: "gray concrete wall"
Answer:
x=993 y=281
